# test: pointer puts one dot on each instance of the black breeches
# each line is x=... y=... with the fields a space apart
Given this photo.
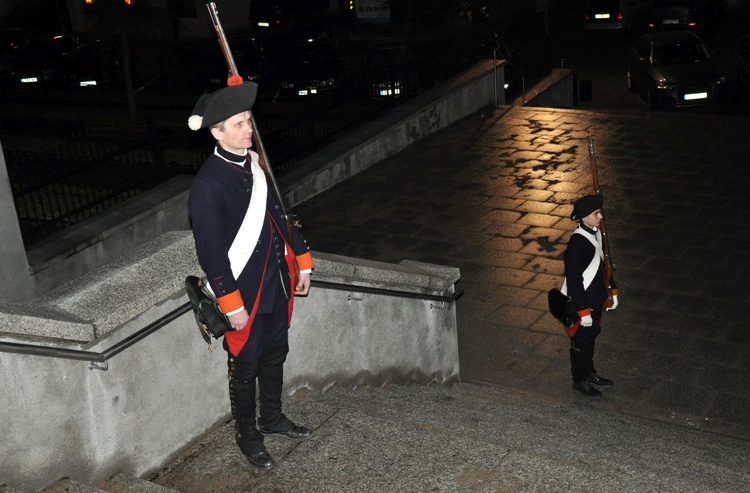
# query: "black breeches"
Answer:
x=585 y=335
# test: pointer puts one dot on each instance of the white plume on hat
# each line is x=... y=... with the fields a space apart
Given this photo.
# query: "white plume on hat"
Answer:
x=194 y=122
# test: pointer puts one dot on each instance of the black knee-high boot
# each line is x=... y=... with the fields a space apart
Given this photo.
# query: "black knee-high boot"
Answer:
x=270 y=383
x=591 y=374
x=242 y=396
x=579 y=368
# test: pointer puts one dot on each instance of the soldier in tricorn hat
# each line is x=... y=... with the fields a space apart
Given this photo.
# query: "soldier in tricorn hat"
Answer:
x=248 y=254
x=586 y=285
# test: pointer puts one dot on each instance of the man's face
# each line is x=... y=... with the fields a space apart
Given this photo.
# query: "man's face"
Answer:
x=593 y=219
x=236 y=133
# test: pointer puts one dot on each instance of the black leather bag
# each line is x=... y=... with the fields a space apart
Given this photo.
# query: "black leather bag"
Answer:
x=561 y=307
x=212 y=323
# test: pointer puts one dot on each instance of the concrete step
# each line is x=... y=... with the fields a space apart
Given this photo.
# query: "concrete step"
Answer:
x=8 y=489
x=466 y=438
x=120 y=483
x=68 y=485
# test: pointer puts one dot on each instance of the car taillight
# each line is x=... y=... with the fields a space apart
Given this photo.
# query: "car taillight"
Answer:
x=619 y=16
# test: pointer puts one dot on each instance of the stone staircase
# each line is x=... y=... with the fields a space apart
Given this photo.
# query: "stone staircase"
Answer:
x=461 y=438
x=120 y=483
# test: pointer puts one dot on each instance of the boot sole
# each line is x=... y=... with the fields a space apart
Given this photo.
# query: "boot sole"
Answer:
x=583 y=392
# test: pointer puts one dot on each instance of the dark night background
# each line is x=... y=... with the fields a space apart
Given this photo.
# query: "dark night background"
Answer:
x=152 y=59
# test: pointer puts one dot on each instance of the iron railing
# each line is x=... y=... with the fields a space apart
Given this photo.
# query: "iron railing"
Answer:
x=98 y=360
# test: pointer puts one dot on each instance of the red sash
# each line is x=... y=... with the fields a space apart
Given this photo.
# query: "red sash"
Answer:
x=236 y=339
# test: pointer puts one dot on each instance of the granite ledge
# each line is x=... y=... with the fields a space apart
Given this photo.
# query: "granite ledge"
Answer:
x=97 y=303
x=409 y=275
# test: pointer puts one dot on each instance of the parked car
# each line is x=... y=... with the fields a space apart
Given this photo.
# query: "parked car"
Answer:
x=64 y=61
x=674 y=69
x=623 y=15
x=741 y=61
x=674 y=14
x=308 y=69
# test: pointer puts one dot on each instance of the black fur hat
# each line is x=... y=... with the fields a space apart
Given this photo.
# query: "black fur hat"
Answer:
x=222 y=104
x=586 y=205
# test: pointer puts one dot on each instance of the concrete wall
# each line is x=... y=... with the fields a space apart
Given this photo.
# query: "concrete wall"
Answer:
x=362 y=338
x=62 y=419
x=480 y=86
x=93 y=243
x=558 y=90
x=14 y=264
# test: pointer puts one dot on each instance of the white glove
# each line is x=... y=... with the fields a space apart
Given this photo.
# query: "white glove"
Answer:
x=587 y=321
x=614 y=303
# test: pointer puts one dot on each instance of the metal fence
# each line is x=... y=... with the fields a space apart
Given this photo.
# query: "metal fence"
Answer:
x=62 y=173
x=77 y=171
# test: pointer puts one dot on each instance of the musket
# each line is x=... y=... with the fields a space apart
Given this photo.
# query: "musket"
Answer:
x=609 y=265
x=235 y=78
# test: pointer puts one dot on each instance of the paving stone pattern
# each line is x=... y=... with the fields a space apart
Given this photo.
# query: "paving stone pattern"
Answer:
x=492 y=195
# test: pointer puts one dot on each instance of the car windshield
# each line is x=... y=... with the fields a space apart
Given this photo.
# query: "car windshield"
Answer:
x=687 y=52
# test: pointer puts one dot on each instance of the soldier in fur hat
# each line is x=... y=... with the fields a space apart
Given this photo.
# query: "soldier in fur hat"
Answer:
x=586 y=285
x=253 y=263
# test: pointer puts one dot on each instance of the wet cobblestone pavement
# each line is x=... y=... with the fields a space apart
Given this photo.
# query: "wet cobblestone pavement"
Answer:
x=492 y=195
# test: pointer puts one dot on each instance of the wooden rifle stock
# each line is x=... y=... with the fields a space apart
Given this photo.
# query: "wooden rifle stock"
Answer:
x=609 y=266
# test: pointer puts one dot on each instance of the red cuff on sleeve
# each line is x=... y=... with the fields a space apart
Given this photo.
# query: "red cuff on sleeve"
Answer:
x=584 y=312
x=305 y=261
x=230 y=302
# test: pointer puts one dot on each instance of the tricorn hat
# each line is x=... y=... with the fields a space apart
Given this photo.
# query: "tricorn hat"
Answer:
x=219 y=105
x=586 y=205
